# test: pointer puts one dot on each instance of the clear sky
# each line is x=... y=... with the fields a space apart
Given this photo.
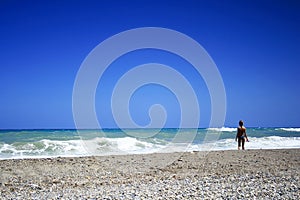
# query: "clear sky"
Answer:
x=255 y=45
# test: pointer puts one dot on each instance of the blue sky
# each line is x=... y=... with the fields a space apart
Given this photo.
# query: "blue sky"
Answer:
x=255 y=45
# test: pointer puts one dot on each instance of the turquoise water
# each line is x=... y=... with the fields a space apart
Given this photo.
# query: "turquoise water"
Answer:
x=49 y=143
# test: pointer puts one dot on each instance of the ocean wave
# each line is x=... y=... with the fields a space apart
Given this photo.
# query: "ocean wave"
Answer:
x=222 y=129
x=271 y=142
x=289 y=129
x=125 y=145
x=42 y=148
x=130 y=145
x=274 y=142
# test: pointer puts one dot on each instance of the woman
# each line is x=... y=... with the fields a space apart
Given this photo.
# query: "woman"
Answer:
x=241 y=135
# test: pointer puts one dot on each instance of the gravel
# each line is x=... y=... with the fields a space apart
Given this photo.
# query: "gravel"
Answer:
x=267 y=174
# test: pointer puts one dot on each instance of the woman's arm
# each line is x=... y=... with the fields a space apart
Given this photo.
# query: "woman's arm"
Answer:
x=246 y=136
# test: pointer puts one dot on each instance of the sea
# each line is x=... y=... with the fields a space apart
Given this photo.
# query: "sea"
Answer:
x=19 y=144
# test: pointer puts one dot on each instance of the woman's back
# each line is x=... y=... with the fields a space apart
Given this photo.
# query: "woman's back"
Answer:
x=241 y=131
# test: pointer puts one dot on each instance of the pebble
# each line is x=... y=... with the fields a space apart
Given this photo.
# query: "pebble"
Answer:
x=93 y=182
x=194 y=188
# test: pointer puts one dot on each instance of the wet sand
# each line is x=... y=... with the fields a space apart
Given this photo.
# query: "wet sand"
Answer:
x=262 y=174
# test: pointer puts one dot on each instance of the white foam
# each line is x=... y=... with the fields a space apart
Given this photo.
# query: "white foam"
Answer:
x=272 y=142
x=289 y=129
x=45 y=148
x=222 y=129
x=130 y=145
x=126 y=145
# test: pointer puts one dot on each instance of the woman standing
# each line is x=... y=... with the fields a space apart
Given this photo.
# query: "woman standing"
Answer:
x=241 y=135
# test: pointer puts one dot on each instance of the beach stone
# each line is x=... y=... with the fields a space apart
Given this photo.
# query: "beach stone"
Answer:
x=88 y=179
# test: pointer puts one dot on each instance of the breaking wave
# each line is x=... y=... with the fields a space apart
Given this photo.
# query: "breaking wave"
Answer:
x=222 y=129
x=289 y=129
x=129 y=145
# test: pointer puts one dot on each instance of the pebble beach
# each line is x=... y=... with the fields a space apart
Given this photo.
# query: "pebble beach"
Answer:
x=250 y=174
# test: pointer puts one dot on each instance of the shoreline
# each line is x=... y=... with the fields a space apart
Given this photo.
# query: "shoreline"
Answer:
x=253 y=173
x=132 y=154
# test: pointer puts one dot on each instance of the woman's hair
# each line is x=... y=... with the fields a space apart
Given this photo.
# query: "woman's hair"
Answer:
x=241 y=123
